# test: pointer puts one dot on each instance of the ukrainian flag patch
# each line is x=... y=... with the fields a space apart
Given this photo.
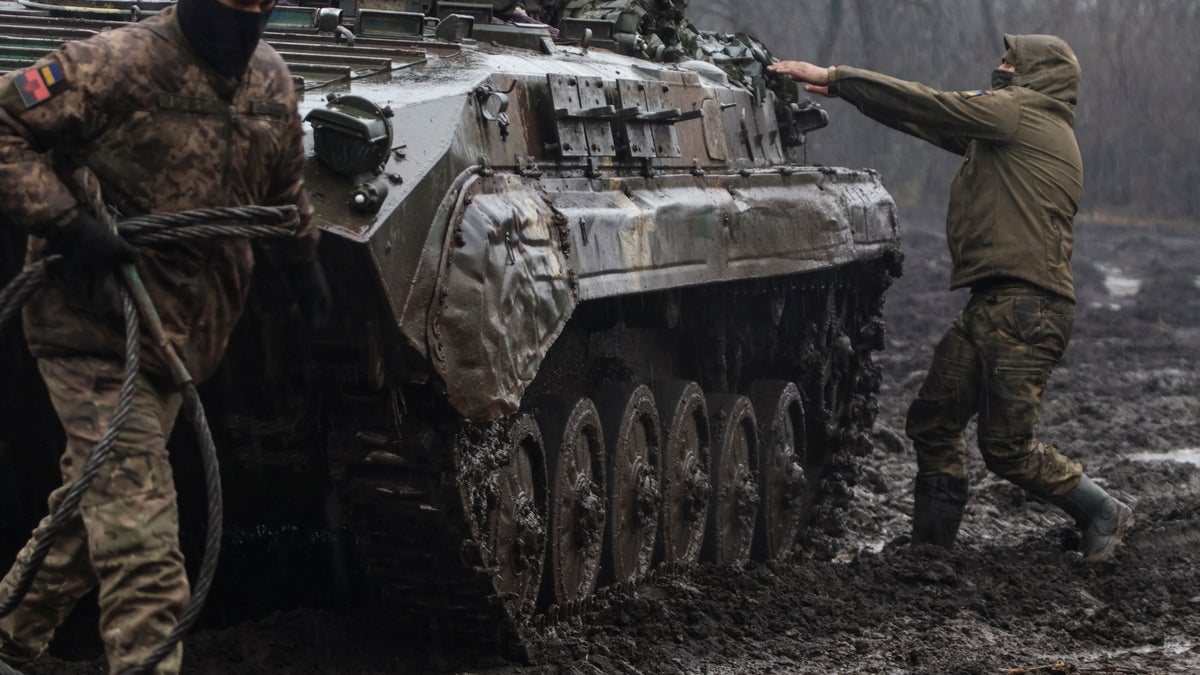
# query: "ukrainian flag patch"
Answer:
x=968 y=95
x=35 y=85
x=51 y=73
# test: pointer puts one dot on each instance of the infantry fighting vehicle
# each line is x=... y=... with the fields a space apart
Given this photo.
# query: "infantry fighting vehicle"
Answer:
x=595 y=313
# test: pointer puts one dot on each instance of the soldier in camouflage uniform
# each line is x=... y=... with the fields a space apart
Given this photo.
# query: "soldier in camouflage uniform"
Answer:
x=1009 y=227
x=184 y=110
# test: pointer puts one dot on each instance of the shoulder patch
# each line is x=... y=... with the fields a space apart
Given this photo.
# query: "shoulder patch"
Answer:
x=968 y=95
x=39 y=84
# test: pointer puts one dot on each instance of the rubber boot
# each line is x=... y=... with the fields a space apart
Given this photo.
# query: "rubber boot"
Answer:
x=1103 y=520
x=938 y=503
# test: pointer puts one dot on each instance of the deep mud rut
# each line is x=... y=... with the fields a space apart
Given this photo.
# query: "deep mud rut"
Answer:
x=858 y=598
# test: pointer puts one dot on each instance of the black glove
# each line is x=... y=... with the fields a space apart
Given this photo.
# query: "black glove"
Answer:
x=311 y=291
x=88 y=246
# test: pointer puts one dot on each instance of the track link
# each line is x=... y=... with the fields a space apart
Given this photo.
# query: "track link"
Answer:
x=420 y=530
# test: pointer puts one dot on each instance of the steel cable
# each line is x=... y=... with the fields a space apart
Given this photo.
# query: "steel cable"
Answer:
x=212 y=540
x=158 y=228
x=66 y=509
x=149 y=237
x=17 y=292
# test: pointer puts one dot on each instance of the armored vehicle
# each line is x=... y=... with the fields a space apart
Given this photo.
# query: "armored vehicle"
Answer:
x=596 y=316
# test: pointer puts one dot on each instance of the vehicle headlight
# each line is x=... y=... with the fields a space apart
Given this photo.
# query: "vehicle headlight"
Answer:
x=351 y=134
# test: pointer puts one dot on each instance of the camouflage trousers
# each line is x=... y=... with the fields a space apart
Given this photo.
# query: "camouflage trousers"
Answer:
x=125 y=535
x=994 y=361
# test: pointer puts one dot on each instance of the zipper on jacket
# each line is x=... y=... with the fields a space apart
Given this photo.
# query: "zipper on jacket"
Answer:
x=230 y=138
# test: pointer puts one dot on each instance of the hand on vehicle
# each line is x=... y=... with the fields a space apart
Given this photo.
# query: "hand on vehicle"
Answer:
x=816 y=78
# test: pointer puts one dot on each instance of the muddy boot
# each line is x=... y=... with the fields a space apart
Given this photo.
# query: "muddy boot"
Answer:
x=938 y=503
x=1103 y=520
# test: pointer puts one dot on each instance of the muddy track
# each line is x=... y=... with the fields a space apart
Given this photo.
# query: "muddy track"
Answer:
x=1013 y=595
x=858 y=598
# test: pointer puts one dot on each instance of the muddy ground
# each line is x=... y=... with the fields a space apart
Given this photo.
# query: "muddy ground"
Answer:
x=858 y=598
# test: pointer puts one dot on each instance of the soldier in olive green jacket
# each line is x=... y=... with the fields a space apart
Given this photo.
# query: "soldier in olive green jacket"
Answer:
x=184 y=110
x=1009 y=228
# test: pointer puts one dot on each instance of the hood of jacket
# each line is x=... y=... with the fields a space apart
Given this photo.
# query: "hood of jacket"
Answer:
x=1045 y=64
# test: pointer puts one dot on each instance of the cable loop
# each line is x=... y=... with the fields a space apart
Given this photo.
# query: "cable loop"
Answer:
x=240 y=222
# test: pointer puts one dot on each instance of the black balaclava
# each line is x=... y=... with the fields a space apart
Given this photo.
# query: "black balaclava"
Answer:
x=223 y=37
x=1002 y=78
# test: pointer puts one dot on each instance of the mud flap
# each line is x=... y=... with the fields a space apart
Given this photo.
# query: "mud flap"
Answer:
x=504 y=296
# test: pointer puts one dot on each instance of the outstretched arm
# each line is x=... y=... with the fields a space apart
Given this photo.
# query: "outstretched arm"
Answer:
x=950 y=120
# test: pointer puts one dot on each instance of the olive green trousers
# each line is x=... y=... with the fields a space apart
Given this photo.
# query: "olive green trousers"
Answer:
x=124 y=536
x=994 y=362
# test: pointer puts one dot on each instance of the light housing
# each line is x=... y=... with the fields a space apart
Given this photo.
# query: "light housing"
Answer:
x=352 y=135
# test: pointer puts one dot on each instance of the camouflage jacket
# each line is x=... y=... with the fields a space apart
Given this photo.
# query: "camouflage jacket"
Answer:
x=163 y=132
x=1014 y=198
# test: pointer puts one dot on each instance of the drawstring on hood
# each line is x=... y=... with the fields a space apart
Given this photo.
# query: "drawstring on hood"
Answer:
x=1046 y=64
x=223 y=37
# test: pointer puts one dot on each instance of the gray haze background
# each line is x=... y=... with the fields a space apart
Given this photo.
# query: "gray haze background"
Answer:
x=1136 y=120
